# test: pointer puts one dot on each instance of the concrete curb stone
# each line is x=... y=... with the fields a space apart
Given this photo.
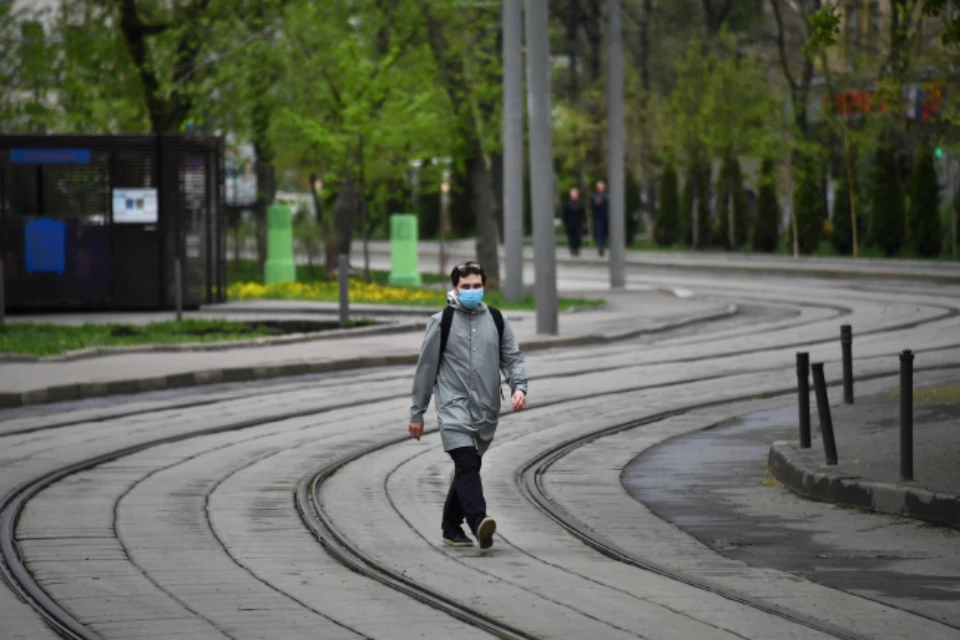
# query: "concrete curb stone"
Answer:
x=805 y=266
x=789 y=465
x=70 y=392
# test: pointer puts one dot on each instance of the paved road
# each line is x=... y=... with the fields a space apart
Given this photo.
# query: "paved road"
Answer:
x=197 y=515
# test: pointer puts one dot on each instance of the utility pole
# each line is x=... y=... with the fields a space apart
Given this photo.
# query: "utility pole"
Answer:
x=513 y=147
x=615 y=148
x=537 y=29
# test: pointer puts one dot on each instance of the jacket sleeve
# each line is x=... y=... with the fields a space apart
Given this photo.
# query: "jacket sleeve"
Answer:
x=426 y=373
x=511 y=360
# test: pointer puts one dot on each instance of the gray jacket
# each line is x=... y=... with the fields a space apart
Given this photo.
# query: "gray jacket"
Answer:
x=467 y=381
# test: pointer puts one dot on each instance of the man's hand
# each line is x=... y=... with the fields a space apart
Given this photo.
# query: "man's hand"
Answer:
x=416 y=429
x=519 y=400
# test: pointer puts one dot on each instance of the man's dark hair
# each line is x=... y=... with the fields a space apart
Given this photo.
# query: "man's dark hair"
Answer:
x=466 y=269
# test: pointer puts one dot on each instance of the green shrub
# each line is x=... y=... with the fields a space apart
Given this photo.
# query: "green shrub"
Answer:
x=923 y=216
x=808 y=204
x=888 y=220
x=842 y=236
x=667 y=229
x=766 y=222
x=730 y=172
x=700 y=177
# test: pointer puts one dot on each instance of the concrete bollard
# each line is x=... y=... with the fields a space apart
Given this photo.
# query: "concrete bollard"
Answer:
x=826 y=421
x=906 y=415
x=803 y=397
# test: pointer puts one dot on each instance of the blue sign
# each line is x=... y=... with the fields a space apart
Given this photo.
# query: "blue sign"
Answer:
x=50 y=156
x=45 y=242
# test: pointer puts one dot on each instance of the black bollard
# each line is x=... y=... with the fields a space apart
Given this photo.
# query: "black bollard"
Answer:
x=846 y=344
x=178 y=288
x=803 y=397
x=343 y=272
x=906 y=415
x=823 y=406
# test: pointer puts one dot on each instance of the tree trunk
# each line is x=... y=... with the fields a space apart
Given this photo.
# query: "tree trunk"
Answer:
x=853 y=200
x=266 y=192
x=485 y=208
x=731 y=218
x=497 y=161
x=344 y=212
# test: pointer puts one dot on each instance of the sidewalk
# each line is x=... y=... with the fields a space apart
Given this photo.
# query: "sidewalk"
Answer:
x=752 y=263
x=868 y=447
x=625 y=315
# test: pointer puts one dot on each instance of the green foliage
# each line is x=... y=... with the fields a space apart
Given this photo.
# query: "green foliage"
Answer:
x=842 y=234
x=923 y=216
x=766 y=223
x=808 y=204
x=823 y=29
x=951 y=19
x=888 y=218
x=730 y=173
x=667 y=229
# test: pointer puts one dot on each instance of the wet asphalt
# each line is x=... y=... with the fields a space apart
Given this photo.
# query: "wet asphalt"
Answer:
x=714 y=485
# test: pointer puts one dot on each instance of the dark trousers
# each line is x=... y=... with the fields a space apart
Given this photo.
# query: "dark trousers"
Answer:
x=600 y=234
x=574 y=238
x=465 y=498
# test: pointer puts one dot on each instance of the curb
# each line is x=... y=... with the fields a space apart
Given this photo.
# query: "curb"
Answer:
x=271 y=341
x=789 y=466
x=805 y=268
x=85 y=390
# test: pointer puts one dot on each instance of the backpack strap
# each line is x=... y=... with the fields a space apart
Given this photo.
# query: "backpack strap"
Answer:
x=497 y=320
x=446 y=321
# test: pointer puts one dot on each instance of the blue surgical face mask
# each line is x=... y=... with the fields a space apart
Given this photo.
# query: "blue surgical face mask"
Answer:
x=470 y=298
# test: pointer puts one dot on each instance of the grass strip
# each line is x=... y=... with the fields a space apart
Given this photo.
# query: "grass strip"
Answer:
x=41 y=339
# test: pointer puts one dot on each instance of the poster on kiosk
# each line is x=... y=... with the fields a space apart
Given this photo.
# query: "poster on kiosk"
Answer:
x=135 y=206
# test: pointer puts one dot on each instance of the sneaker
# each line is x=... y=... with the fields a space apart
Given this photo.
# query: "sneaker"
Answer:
x=456 y=538
x=485 y=531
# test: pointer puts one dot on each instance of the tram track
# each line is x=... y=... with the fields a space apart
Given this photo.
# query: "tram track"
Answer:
x=950 y=312
x=18 y=576
x=528 y=478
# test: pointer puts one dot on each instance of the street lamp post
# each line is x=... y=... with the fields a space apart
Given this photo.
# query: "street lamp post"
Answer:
x=513 y=147
x=444 y=219
x=537 y=29
x=415 y=184
x=615 y=148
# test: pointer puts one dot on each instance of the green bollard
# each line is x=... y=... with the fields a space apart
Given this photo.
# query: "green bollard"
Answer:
x=403 y=251
x=280 y=266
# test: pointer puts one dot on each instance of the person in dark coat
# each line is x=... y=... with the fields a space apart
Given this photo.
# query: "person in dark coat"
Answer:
x=601 y=215
x=574 y=220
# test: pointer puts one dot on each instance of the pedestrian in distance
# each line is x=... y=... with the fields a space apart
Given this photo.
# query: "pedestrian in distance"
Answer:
x=600 y=205
x=574 y=220
x=465 y=348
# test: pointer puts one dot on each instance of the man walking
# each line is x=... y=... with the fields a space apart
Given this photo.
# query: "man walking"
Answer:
x=601 y=215
x=464 y=349
x=574 y=220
